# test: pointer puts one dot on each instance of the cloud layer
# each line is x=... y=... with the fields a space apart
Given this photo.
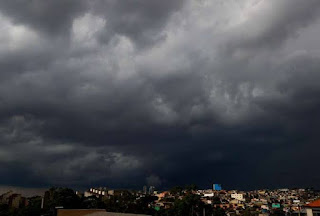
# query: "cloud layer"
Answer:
x=124 y=93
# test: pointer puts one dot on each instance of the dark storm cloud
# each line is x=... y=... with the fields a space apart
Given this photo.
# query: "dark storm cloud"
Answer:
x=51 y=16
x=126 y=93
x=275 y=24
x=140 y=20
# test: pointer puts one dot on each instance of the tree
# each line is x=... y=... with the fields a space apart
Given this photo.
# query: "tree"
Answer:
x=60 y=197
x=191 y=204
x=192 y=187
x=277 y=212
x=33 y=208
x=4 y=210
x=92 y=202
x=176 y=191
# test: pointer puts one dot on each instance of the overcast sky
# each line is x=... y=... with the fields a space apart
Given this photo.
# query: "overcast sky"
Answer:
x=160 y=92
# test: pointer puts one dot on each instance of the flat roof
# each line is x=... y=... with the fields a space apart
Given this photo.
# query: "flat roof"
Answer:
x=91 y=212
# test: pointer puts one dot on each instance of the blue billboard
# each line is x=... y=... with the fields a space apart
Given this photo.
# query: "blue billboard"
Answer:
x=217 y=187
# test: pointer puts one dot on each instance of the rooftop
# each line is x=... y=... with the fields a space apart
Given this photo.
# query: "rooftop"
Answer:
x=91 y=212
x=314 y=204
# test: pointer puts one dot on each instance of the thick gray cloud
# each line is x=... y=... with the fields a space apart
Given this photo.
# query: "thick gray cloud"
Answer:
x=125 y=93
x=51 y=16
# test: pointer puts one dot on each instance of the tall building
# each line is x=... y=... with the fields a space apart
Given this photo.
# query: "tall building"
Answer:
x=145 y=189
x=151 y=189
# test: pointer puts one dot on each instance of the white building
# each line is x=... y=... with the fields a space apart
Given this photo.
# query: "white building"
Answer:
x=237 y=196
x=208 y=194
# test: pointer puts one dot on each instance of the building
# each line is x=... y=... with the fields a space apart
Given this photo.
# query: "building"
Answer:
x=13 y=200
x=313 y=208
x=163 y=194
x=4 y=198
x=102 y=192
x=91 y=212
x=237 y=196
x=208 y=195
x=88 y=194
x=151 y=189
x=144 y=189
x=276 y=205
